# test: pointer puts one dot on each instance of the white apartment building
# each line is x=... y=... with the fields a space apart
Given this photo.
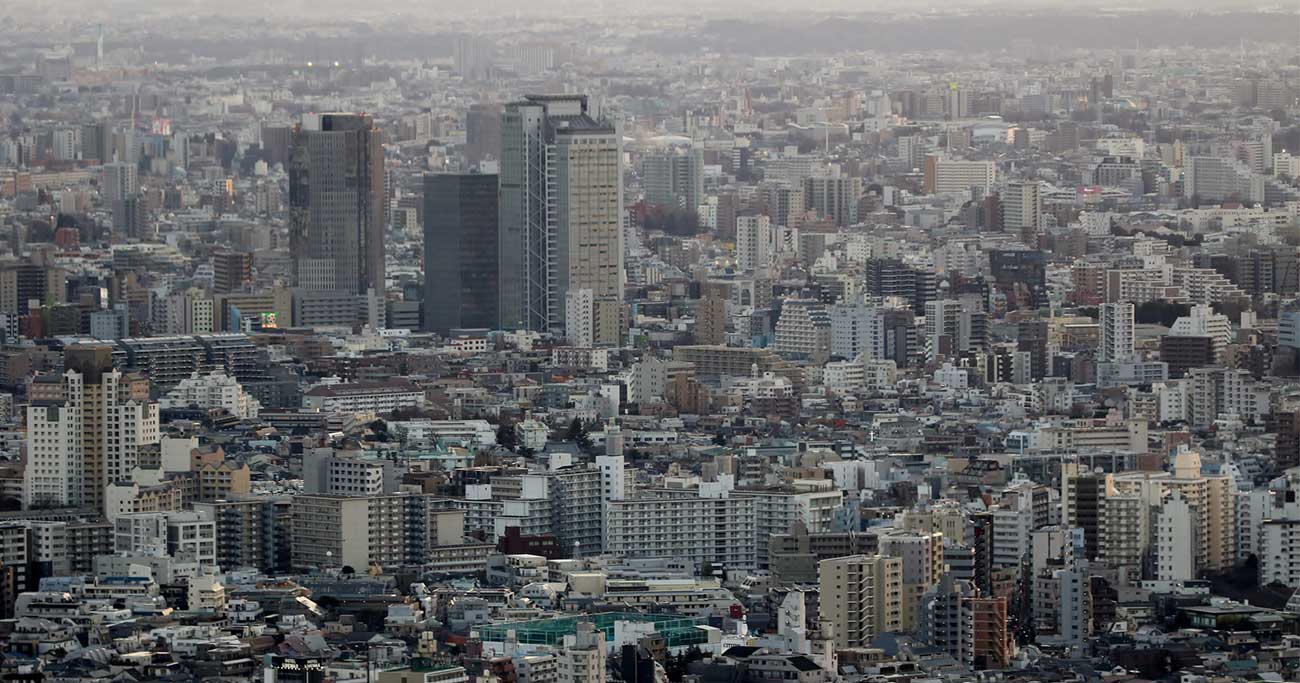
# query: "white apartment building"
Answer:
x=804 y=330
x=1210 y=500
x=721 y=531
x=70 y=458
x=1116 y=332
x=713 y=523
x=1202 y=321
x=755 y=243
x=363 y=397
x=214 y=390
x=1215 y=392
x=183 y=536
x=582 y=660
x=424 y=433
x=1124 y=531
x=856 y=329
x=1176 y=542
x=579 y=318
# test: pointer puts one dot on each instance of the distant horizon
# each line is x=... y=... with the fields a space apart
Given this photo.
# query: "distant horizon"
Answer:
x=113 y=13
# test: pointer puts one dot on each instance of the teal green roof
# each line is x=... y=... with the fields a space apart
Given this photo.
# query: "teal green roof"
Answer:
x=678 y=630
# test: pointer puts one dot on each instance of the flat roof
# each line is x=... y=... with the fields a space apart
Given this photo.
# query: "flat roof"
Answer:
x=677 y=629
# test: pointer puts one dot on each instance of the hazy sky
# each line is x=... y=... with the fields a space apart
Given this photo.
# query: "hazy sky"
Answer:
x=450 y=11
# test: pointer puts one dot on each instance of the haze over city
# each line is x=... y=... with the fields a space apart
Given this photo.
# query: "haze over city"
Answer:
x=537 y=342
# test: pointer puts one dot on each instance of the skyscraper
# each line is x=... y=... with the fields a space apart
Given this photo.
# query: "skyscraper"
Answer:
x=482 y=133
x=561 y=212
x=460 y=251
x=276 y=142
x=90 y=435
x=336 y=204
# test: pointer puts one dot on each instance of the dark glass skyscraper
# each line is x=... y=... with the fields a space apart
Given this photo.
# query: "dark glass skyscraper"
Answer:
x=460 y=251
x=336 y=204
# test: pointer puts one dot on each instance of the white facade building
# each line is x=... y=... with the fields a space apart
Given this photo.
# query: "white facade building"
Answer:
x=755 y=243
x=215 y=390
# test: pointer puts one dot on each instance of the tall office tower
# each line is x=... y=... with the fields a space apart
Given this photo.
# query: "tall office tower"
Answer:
x=119 y=182
x=674 y=177
x=276 y=141
x=336 y=204
x=482 y=133
x=1115 y=337
x=232 y=271
x=460 y=251
x=561 y=213
x=835 y=197
x=754 y=243
x=88 y=438
x=1022 y=211
x=861 y=596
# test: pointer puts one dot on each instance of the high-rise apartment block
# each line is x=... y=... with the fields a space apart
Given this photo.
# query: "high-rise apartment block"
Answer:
x=952 y=175
x=674 y=177
x=1116 y=333
x=88 y=437
x=861 y=596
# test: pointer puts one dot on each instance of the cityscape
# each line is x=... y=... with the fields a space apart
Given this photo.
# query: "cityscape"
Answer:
x=735 y=343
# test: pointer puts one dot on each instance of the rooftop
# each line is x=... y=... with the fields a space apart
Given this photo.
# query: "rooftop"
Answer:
x=678 y=630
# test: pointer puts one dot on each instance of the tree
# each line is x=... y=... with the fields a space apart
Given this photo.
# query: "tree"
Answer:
x=578 y=434
x=720 y=439
x=672 y=220
x=1160 y=312
x=506 y=435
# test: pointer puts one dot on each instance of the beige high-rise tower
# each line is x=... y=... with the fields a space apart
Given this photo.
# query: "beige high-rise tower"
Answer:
x=861 y=596
x=561 y=215
x=87 y=433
